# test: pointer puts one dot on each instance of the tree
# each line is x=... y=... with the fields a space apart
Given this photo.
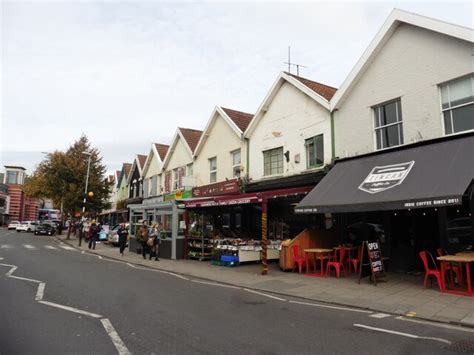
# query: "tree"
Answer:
x=62 y=178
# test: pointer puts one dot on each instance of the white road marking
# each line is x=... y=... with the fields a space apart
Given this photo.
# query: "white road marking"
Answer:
x=434 y=324
x=131 y=265
x=82 y=252
x=67 y=247
x=216 y=284
x=332 y=307
x=50 y=247
x=71 y=309
x=29 y=246
x=6 y=246
x=408 y=335
x=40 y=291
x=264 y=294
x=380 y=315
x=118 y=343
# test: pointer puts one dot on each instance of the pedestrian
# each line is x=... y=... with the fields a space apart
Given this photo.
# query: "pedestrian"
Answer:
x=122 y=233
x=143 y=234
x=93 y=234
x=80 y=231
x=154 y=241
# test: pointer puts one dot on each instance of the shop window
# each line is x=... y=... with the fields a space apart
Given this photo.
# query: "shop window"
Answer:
x=457 y=104
x=189 y=170
x=12 y=177
x=236 y=160
x=226 y=220
x=213 y=170
x=175 y=179
x=388 y=124
x=238 y=220
x=273 y=161
x=314 y=151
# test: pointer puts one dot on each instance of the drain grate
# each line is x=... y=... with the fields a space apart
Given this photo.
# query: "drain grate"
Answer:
x=463 y=346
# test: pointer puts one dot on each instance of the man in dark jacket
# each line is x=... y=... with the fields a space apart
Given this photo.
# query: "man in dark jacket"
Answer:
x=143 y=237
x=93 y=235
x=122 y=233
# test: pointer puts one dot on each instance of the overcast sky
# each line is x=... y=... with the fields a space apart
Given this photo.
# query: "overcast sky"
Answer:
x=127 y=74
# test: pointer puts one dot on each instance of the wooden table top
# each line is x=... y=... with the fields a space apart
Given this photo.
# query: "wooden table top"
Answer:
x=347 y=248
x=318 y=250
x=459 y=258
x=465 y=253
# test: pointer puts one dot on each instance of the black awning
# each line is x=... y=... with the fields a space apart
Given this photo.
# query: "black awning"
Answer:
x=429 y=174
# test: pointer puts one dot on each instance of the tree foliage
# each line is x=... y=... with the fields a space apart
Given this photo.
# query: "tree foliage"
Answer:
x=62 y=178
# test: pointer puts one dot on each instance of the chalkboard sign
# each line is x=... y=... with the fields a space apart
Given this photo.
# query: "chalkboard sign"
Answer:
x=371 y=263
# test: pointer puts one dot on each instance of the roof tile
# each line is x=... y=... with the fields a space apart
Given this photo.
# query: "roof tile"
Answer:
x=323 y=90
x=191 y=136
x=141 y=160
x=162 y=150
x=241 y=119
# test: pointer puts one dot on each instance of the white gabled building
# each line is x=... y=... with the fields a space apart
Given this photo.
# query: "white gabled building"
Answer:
x=414 y=82
x=152 y=171
x=291 y=131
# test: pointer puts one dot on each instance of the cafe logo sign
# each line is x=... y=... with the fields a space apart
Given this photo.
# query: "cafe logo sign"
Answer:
x=382 y=178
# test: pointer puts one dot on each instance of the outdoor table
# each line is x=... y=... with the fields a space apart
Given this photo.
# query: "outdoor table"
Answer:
x=463 y=258
x=349 y=251
x=317 y=251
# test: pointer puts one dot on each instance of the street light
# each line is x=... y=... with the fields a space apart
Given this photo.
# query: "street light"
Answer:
x=87 y=179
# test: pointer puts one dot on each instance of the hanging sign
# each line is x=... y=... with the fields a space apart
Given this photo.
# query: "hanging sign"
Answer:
x=219 y=188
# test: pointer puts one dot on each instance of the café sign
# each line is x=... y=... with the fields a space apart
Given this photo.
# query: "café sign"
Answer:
x=220 y=188
x=382 y=178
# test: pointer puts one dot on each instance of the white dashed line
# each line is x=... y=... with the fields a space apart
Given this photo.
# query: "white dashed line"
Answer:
x=265 y=295
x=29 y=246
x=332 y=307
x=67 y=247
x=216 y=284
x=6 y=246
x=380 y=315
x=413 y=336
x=118 y=343
x=50 y=247
x=40 y=291
x=71 y=309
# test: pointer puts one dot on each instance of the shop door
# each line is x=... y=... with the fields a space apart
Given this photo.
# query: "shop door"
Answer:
x=402 y=256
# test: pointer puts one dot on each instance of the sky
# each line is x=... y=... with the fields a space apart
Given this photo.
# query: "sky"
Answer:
x=126 y=74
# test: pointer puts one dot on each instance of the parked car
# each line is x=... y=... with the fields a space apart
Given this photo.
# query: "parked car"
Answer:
x=45 y=228
x=13 y=224
x=27 y=226
x=113 y=236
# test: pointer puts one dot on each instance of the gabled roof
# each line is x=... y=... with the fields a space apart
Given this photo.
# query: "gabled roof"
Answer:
x=317 y=91
x=395 y=18
x=238 y=121
x=117 y=177
x=111 y=178
x=323 y=90
x=162 y=149
x=138 y=163
x=190 y=138
x=158 y=151
x=124 y=173
x=241 y=119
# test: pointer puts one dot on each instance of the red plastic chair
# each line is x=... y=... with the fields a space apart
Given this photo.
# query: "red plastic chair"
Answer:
x=456 y=269
x=299 y=259
x=431 y=272
x=355 y=262
x=336 y=262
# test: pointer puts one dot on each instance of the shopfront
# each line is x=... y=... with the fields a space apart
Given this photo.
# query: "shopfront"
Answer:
x=411 y=198
x=239 y=227
x=171 y=219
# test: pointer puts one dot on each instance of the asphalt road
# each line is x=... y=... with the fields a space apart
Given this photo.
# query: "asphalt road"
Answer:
x=148 y=312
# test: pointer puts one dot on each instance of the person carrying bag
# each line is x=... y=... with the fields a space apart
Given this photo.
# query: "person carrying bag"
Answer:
x=143 y=234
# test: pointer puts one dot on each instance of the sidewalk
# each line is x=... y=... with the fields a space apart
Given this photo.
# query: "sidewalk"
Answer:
x=401 y=294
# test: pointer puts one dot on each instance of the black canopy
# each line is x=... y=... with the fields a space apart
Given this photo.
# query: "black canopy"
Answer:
x=428 y=174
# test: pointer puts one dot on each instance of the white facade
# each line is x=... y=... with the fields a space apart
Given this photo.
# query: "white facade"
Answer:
x=178 y=158
x=220 y=140
x=288 y=121
x=410 y=66
x=152 y=181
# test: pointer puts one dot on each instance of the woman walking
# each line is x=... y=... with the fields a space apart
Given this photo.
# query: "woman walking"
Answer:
x=155 y=241
x=93 y=234
x=122 y=233
x=143 y=234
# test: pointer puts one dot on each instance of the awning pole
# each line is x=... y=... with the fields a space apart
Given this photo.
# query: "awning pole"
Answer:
x=264 y=237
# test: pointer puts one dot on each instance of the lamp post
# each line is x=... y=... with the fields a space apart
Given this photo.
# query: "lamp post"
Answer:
x=87 y=179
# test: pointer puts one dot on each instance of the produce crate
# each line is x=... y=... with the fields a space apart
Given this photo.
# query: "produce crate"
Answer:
x=229 y=258
x=230 y=263
x=216 y=262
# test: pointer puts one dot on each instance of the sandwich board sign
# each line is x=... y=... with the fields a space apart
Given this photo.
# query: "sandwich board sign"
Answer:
x=371 y=262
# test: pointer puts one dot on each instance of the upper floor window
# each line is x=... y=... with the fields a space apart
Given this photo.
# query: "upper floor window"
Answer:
x=213 y=169
x=314 y=151
x=175 y=179
x=388 y=124
x=236 y=160
x=457 y=102
x=273 y=161
x=12 y=177
x=189 y=170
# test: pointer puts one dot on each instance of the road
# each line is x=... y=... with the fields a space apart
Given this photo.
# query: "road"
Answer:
x=65 y=301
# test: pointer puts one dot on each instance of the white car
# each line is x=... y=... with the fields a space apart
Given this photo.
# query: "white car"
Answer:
x=112 y=237
x=13 y=224
x=27 y=226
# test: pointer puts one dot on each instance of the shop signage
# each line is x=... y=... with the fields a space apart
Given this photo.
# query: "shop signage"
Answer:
x=220 y=188
x=224 y=202
x=178 y=195
x=382 y=178
x=153 y=200
x=371 y=263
